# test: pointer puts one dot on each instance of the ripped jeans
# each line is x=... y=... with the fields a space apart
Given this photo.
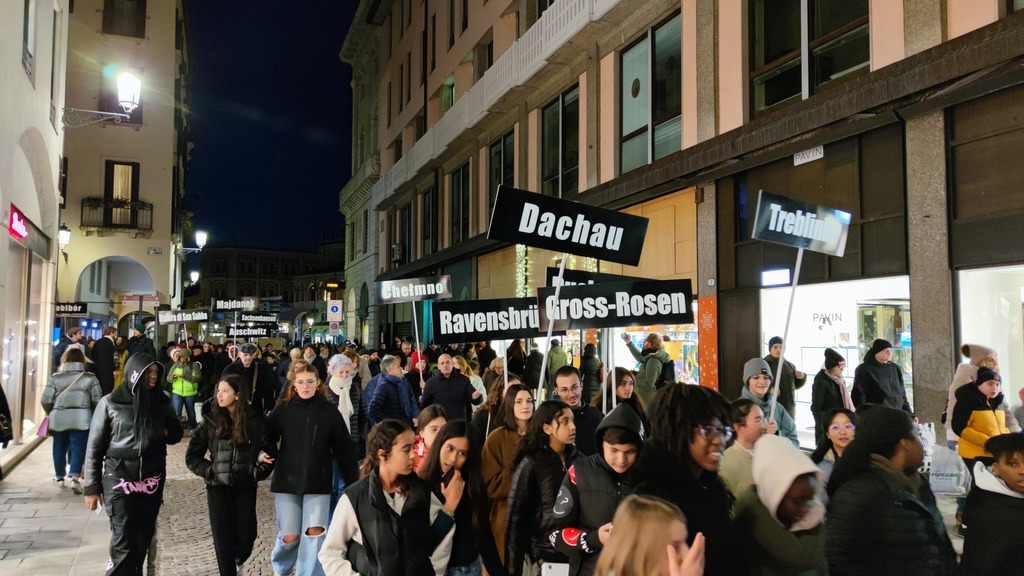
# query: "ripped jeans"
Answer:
x=297 y=513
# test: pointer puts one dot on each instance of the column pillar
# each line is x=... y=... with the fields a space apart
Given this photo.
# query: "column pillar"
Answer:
x=707 y=285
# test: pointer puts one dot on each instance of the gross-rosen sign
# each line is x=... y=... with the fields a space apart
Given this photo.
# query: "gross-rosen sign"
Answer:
x=414 y=289
x=799 y=224
x=182 y=316
x=476 y=320
x=533 y=219
x=617 y=304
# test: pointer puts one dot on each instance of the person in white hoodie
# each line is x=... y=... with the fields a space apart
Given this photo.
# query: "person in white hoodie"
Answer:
x=995 y=510
x=781 y=514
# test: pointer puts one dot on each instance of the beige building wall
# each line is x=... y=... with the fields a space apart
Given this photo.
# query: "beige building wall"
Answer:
x=885 y=20
x=965 y=16
x=495 y=273
x=670 y=247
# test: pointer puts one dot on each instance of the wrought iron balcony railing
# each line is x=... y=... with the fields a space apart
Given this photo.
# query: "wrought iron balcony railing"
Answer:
x=102 y=214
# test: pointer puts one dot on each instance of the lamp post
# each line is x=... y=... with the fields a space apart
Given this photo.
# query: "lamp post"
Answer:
x=129 y=94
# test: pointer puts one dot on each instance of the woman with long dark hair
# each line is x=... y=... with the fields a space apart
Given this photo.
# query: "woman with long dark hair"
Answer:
x=487 y=416
x=515 y=357
x=545 y=454
x=623 y=386
x=456 y=450
x=390 y=522
x=223 y=452
x=311 y=433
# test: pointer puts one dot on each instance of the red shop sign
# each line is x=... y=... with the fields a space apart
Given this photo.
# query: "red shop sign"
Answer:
x=17 y=226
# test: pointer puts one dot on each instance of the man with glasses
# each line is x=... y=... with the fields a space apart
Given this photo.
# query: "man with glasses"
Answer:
x=569 y=388
x=453 y=391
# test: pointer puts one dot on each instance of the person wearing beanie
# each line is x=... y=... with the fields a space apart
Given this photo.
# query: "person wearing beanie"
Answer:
x=978 y=416
x=883 y=518
x=788 y=377
x=139 y=343
x=757 y=387
x=966 y=372
x=781 y=515
x=183 y=377
x=878 y=380
x=828 y=392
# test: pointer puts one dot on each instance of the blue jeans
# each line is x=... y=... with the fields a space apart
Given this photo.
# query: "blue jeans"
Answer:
x=190 y=408
x=337 y=487
x=73 y=441
x=473 y=569
x=297 y=513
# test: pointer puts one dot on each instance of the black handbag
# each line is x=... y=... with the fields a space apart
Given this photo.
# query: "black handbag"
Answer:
x=6 y=430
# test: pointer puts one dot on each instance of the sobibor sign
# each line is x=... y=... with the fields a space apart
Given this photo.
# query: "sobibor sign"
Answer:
x=795 y=223
x=616 y=304
x=527 y=218
x=414 y=289
x=476 y=320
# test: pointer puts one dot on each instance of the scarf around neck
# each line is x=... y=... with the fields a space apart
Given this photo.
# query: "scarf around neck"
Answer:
x=340 y=386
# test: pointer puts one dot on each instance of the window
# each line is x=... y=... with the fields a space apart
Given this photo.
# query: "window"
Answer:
x=560 y=145
x=366 y=230
x=447 y=94
x=429 y=220
x=401 y=87
x=388 y=38
x=387 y=96
x=408 y=77
x=120 y=190
x=837 y=48
x=397 y=148
x=502 y=165
x=651 y=96
x=543 y=5
x=125 y=18
x=465 y=15
x=451 y=24
x=109 y=97
x=401 y=18
x=460 y=185
x=405 y=233
x=433 y=42
x=28 y=39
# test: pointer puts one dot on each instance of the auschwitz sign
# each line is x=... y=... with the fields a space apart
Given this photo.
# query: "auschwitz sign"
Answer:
x=523 y=217
x=476 y=320
x=414 y=289
x=241 y=331
x=617 y=304
x=799 y=224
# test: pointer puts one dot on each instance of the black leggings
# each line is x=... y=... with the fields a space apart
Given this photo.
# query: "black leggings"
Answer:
x=132 y=508
x=233 y=523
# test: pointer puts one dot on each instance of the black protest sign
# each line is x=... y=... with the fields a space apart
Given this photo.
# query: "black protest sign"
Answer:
x=71 y=309
x=476 y=320
x=414 y=289
x=266 y=317
x=577 y=277
x=523 y=217
x=182 y=316
x=243 y=331
x=617 y=304
x=248 y=303
x=799 y=224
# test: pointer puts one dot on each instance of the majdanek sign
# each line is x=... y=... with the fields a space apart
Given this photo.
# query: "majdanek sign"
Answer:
x=235 y=304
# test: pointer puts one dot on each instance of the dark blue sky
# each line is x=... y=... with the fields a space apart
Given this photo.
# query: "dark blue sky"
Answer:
x=271 y=120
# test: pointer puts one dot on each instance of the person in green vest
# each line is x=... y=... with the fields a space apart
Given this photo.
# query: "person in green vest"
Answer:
x=184 y=377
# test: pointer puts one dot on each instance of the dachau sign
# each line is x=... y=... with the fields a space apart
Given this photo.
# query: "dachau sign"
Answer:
x=414 y=289
x=523 y=217
x=477 y=320
x=617 y=304
x=798 y=224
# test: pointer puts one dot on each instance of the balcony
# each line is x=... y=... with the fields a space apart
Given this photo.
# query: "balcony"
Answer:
x=101 y=215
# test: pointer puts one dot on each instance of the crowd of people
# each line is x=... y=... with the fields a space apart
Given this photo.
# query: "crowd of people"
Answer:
x=401 y=461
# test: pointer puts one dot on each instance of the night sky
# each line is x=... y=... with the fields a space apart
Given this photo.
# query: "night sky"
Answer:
x=271 y=120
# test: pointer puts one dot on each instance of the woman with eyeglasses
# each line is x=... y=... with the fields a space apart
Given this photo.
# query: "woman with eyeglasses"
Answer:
x=829 y=392
x=840 y=428
x=679 y=463
x=757 y=387
x=305 y=433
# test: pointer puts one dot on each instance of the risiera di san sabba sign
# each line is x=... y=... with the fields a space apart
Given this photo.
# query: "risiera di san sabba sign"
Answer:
x=645 y=302
x=476 y=320
x=523 y=217
x=800 y=224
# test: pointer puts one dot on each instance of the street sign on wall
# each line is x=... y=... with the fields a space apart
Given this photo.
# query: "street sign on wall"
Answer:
x=334 y=310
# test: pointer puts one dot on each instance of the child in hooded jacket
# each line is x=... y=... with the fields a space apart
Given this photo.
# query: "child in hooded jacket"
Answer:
x=995 y=510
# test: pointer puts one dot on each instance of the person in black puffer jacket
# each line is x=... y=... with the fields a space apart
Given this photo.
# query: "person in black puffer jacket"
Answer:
x=591 y=373
x=305 y=433
x=232 y=434
x=545 y=453
x=679 y=463
x=580 y=531
x=882 y=515
x=531 y=369
x=126 y=460
x=878 y=380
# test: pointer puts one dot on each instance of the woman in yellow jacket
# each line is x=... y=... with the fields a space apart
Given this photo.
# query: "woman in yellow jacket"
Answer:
x=184 y=377
x=977 y=416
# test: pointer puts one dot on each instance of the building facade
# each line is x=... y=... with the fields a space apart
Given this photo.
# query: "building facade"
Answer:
x=682 y=112
x=124 y=181
x=32 y=65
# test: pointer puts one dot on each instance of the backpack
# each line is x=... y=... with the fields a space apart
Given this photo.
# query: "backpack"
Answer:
x=668 y=374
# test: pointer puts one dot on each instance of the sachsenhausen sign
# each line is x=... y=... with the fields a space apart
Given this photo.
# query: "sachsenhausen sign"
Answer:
x=258 y=317
x=523 y=217
x=182 y=316
x=476 y=320
x=799 y=224
x=617 y=304
x=582 y=277
x=414 y=289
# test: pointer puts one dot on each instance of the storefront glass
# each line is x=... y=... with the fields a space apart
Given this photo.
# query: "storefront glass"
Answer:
x=844 y=316
x=991 y=304
x=25 y=348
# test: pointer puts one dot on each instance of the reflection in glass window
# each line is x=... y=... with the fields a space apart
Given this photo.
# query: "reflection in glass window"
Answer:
x=560 y=145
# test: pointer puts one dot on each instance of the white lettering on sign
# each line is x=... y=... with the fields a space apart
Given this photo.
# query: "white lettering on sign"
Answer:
x=388 y=291
x=580 y=231
x=816 y=153
x=18 y=228
x=625 y=306
x=804 y=224
x=234 y=304
x=511 y=319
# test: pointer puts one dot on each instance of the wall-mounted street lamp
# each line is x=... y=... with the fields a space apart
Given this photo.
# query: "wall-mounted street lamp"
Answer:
x=63 y=239
x=194 y=276
x=201 y=238
x=129 y=94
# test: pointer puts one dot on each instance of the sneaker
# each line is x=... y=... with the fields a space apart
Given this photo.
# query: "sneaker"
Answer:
x=961 y=530
x=58 y=482
x=239 y=566
x=76 y=486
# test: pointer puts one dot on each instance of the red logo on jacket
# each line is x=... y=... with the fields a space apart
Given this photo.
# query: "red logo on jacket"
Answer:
x=571 y=536
x=572 y=473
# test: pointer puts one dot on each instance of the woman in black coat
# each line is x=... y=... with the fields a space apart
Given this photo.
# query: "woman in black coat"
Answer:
x=305 y=433
x=223 y=451
x=545 y=453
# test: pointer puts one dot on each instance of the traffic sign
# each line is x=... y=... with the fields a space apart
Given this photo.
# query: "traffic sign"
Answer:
x=335 y=328
x=334 y=310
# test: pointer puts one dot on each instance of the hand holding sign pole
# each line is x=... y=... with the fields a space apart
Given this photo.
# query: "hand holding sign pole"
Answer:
x=551 y=325
x=796 y=223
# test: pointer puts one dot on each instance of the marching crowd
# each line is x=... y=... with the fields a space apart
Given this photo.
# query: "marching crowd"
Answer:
x=444 y=461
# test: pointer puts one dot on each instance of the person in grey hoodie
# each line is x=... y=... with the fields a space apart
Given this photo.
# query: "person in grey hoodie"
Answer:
x=69 y=399
x=757 y=386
